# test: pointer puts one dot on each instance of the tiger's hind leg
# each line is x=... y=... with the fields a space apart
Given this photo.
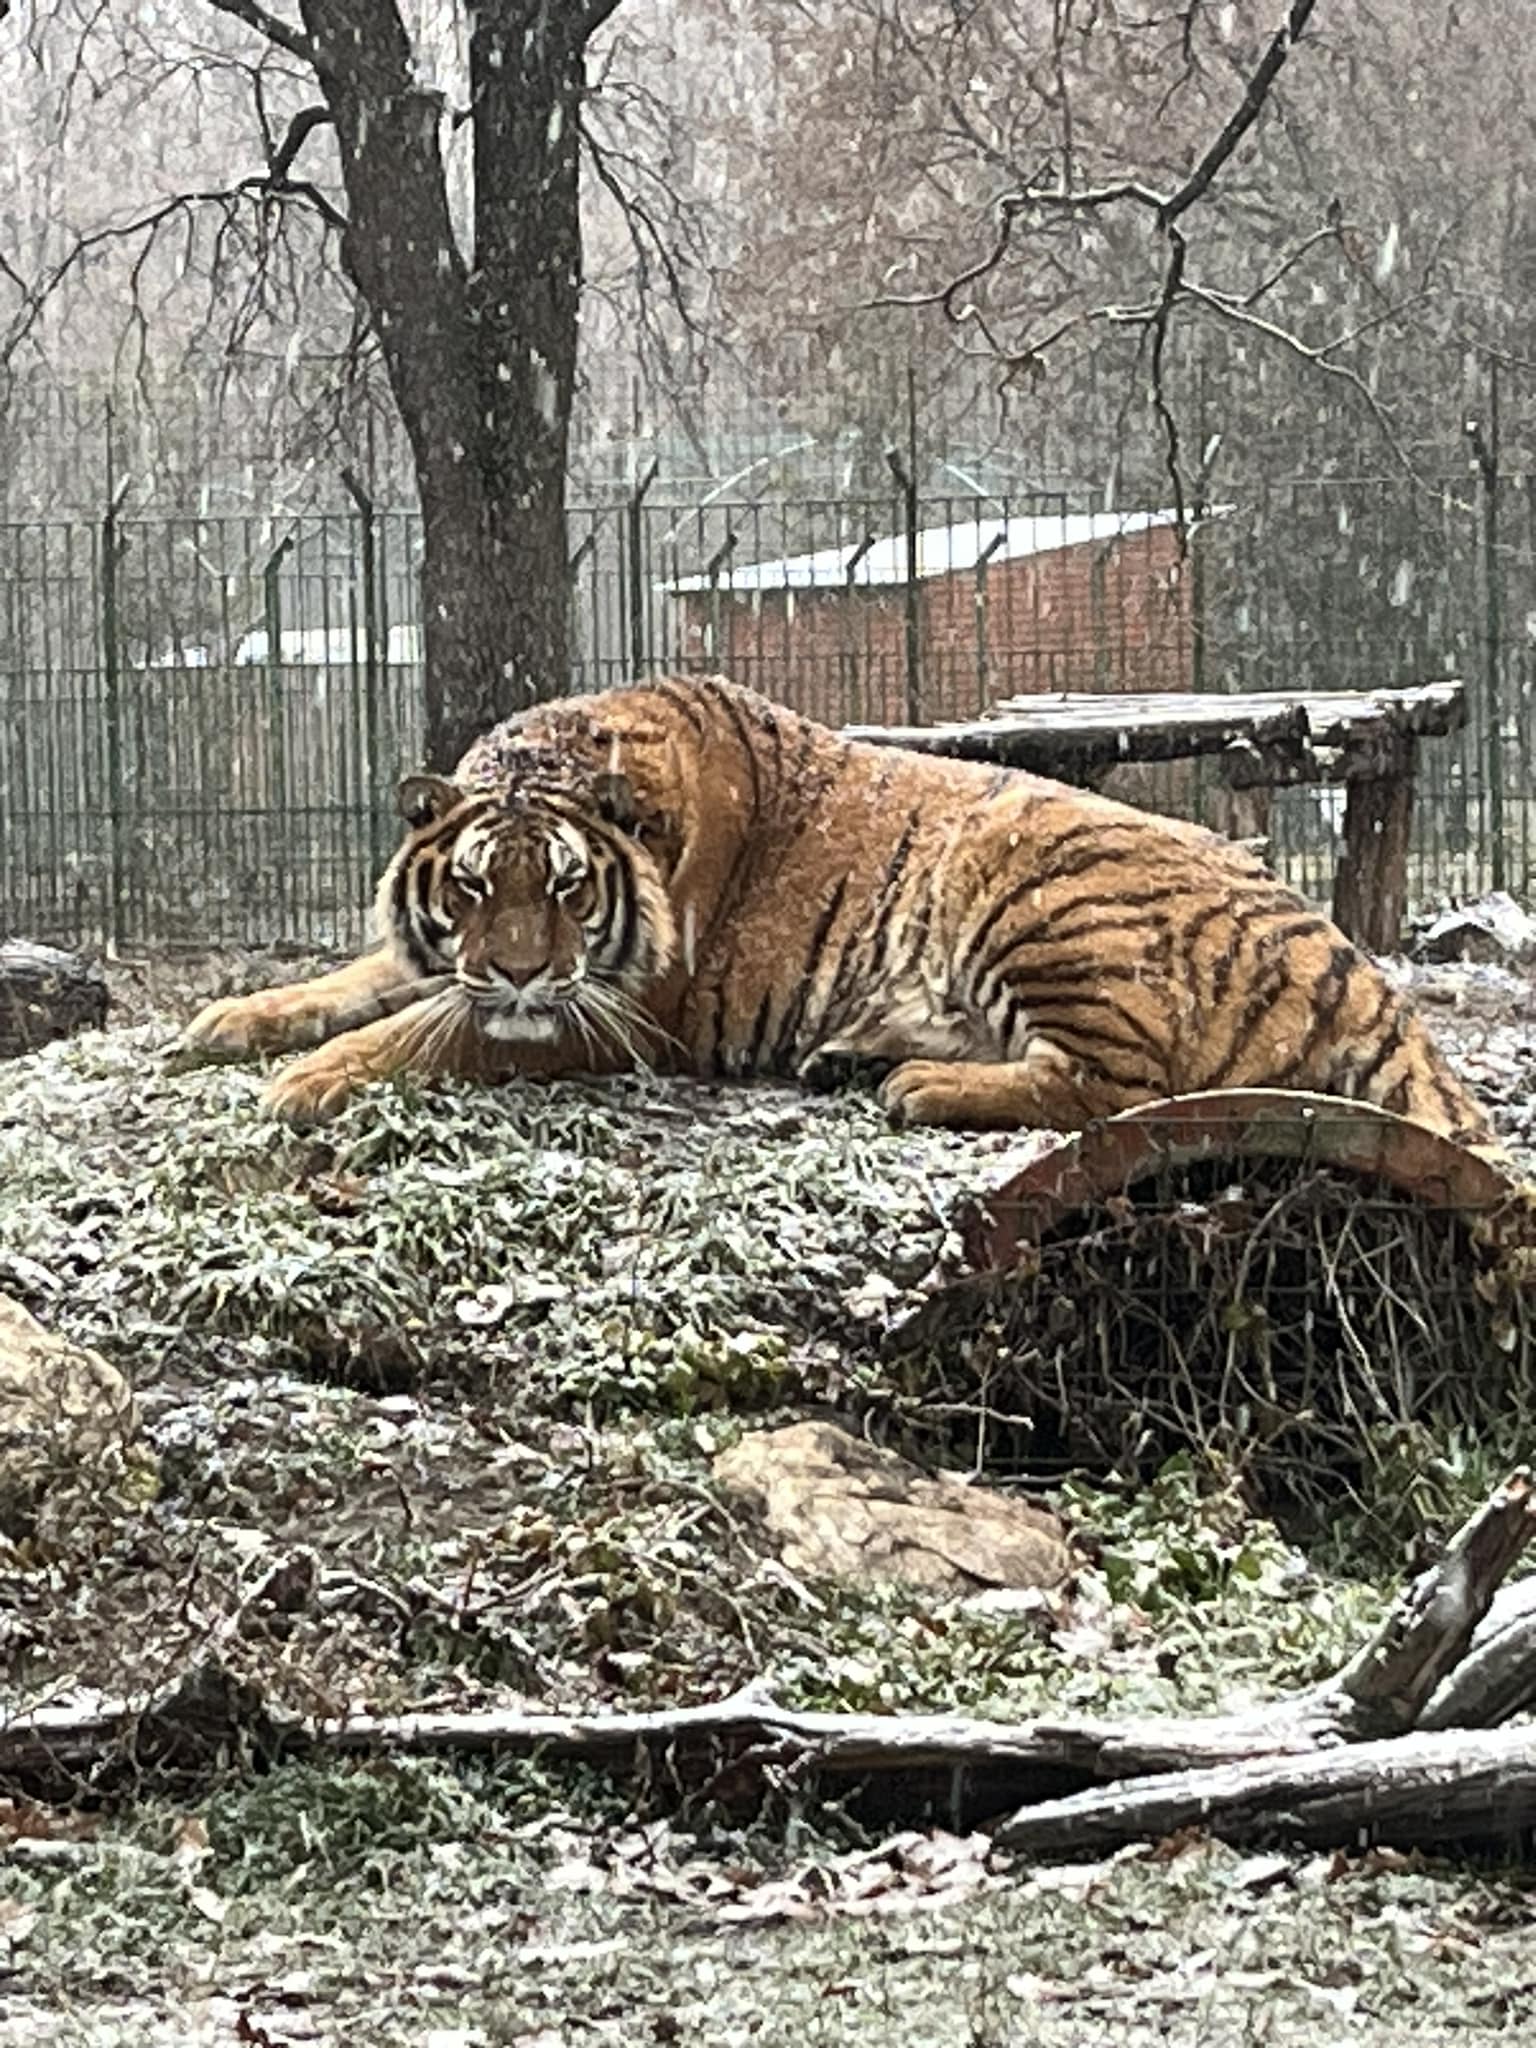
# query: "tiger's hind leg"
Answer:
x=304 y=1013
x=1046 y=1090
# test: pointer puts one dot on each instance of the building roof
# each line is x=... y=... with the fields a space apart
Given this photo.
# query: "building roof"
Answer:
x=941 y=551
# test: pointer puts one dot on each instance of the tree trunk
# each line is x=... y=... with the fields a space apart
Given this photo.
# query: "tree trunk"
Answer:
x=480 y=356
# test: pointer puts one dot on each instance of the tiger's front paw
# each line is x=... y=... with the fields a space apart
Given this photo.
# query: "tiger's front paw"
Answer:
x=928 y=1092
x=244 y=1027
x=314 y=1089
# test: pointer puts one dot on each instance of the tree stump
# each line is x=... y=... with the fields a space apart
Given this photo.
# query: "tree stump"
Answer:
x=46 y=994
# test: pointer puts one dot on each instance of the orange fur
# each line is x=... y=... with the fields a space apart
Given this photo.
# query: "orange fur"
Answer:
x=1021 y=953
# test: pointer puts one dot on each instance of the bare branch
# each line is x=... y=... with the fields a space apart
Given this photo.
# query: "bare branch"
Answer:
x=1172 y=282
x=1318 y=358
x=280 y=33
x=258 y=188
x=1205 y=173
x=300 y=128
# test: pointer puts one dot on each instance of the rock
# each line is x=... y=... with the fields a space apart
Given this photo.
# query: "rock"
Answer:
x=63 y=1411
x=46 y=994
x=846 y=1509
x=1492 y=929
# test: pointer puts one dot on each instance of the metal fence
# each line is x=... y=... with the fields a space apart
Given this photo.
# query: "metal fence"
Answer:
x=202 y=720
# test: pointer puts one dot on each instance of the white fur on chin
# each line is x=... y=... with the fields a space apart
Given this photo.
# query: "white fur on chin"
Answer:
x=530 y=1027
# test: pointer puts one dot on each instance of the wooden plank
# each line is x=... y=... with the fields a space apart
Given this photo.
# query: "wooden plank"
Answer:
x=1076 y=735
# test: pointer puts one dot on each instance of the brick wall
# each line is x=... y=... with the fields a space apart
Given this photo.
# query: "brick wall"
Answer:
x=1110 y=616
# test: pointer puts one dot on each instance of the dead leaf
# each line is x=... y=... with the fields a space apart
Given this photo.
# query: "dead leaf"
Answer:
x=23 y=1820
x=1261 y=1873
x=16 y=1921
x=190 y=1845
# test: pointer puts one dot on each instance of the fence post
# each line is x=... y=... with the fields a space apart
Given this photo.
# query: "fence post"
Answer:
x=272 y=622
x=1485 y=456
x=850 y=659
x=112 y=548
x=372 y=657
x=635 y=539
x=906 y=483
x=983 y=653
x=716 y=563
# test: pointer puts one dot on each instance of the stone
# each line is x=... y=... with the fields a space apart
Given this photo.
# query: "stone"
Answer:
x=1493 y=930
x=46 y=994
x=64 y=1412
x=842 y=1508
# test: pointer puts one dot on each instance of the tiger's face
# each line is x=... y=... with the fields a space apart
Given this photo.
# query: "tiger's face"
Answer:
x=547 y=910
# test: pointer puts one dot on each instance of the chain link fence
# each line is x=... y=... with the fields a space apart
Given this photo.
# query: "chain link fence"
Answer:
x=202 y=720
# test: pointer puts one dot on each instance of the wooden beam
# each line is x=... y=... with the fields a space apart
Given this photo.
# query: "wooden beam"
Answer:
x=1076 y=736
x=1370 y=887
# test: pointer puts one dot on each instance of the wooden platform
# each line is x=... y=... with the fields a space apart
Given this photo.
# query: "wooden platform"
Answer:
x=1365 y=739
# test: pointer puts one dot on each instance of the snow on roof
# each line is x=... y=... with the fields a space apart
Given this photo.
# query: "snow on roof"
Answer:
x=941 y=550
x=325 y=646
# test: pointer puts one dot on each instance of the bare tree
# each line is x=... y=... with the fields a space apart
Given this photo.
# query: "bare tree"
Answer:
x=471 y=288
x=1343 y=192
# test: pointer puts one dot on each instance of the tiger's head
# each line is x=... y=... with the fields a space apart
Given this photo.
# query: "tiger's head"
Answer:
x=542 y=902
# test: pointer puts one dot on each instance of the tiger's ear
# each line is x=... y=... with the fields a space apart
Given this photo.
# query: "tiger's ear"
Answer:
x=423 y=799
x=615 y=798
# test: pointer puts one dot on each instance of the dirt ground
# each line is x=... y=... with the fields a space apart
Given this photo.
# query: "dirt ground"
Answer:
x=432 y=1403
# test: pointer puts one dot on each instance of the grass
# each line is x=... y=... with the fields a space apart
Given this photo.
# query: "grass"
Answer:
x=468 y=1358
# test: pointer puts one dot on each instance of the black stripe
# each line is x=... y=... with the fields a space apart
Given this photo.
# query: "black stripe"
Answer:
x=717 y=1027
x=794 y=1015
x=1136 y=927
x=1046 y=1004
x=759 y=1033
x=1042 y=873
x=1392 y=1042
x=877 y=931
x=1268 y=979
x=620 y=894
x=770 y=724
x=683 y=699
x=1328 y=994
x=725 y=697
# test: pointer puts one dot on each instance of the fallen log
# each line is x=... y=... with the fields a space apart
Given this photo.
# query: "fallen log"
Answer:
x=1453 y=1652
x=46 y=994
x=1446 y=1786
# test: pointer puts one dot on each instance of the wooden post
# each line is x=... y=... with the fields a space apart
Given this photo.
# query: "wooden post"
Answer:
x=1370 y=890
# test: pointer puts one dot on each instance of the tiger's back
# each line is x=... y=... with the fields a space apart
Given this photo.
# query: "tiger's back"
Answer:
x=1057 y=955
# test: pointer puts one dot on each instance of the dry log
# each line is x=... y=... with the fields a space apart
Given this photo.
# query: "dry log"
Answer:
x=1448 y=1786
x=46 y=994
x=1386 y=1686
x=1497 y=1677
x=206 y=1712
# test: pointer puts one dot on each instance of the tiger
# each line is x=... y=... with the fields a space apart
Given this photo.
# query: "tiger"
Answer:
x=682 y=875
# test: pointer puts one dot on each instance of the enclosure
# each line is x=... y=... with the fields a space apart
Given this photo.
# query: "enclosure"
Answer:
x=202 y=720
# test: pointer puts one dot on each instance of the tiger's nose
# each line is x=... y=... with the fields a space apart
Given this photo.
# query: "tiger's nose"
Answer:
x=514 y=977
